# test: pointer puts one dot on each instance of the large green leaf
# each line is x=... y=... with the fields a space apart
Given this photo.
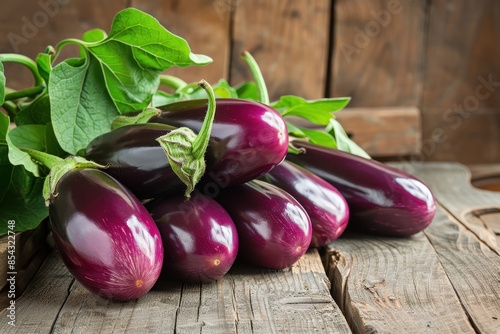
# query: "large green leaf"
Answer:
x=37 y=112
x=146 y=48
x=81 y=108
x=23 y=201
x=316 y=111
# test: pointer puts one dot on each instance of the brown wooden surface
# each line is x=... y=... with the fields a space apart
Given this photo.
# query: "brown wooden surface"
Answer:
x=291 y=51
x=378 y=52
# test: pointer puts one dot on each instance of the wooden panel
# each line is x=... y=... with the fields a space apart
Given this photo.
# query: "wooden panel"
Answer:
x=466 y=138
x=246 y=300
x=462 y=51
x=378 y=52
x=289 y=40
x=29 y=26
x=393 y=285
x=204 y=24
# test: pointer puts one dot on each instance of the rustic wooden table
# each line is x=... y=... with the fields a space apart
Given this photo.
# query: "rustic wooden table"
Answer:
x=443 y=280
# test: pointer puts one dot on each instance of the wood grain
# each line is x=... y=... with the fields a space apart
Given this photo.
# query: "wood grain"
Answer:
x=393 y=285
x=289 y=40
x=378 y=48
x=206 y=27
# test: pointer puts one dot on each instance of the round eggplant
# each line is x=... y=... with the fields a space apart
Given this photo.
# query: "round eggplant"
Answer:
x=247 y=140
x=137 y=160
x=199 y=237
x=105 y=236
x=274 y=229
x=324 y=204
x=382 y=199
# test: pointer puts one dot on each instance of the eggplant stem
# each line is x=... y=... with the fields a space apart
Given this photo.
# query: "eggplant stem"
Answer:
x=173 y=82
x=258 y=77
x=201 y=142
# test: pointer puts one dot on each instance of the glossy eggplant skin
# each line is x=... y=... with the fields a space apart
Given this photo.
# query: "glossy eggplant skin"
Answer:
x=199 y=238
x=382 y=200
x=105 y=236
x=274 y=229
x=324 y=204
x=247 y=140
x=136 y=159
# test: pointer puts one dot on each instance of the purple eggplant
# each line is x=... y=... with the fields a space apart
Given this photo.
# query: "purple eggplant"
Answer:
x=248 y=138
x=105 y=236
x=274 y=229
x=136 y=159
x=324 y=204
x=199 y=237
x=382 y=199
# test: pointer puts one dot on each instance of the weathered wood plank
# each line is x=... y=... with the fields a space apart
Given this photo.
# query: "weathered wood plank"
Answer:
x=450 y=183
x=289 y=40
x=472 y=268
x=246 y=300
x=393 y=285
x=206 y=27
x=377 y=52
x=37 y=309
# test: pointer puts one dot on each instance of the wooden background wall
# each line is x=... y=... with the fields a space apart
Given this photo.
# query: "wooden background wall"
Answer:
x=424 y=75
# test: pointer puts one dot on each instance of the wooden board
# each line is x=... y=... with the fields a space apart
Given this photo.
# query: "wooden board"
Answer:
x=461 y=87
x=424 y=283
x=247 y=300
x=206 y=27
x=377 y=52
x=289 y=40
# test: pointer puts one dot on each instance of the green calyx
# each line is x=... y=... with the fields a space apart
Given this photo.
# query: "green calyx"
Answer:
x=59 y=169
x=186 y=151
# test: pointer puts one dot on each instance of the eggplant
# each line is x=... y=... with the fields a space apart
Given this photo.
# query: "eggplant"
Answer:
x=273 y=228
x=382 y=200
x=324 y=204
x=199 y=238
x=247 y=140
x=105 y=236
x=136 y=159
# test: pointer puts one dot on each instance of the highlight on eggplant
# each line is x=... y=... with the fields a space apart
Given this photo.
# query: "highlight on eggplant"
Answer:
x=199 y=237
x=382 y=199
x=326 y=207
x=274 y=229
x=105 y=236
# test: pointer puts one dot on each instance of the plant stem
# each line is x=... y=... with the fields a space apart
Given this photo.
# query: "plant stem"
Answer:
x=171 y=81
x=201 y=142
x=26 y=61
x=11 y=109
x=257 y=75
x=29 y=92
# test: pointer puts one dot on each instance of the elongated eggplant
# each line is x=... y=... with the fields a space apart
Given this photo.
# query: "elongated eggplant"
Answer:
x=199 y=238
x=136 y=159
x=248 y=138
x=382 y=199
x=105 y=236
x=274 y=229
x=324 y=204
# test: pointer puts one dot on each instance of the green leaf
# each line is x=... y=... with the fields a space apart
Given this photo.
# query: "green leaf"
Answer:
x=143 y=117
x=316 y=111
x=37 y=112
x=224 y=90
x=44 y=65
x=4 y=128
x=161 y=98
x=146 y=49
x=51 y=143
x=23 y=201
x=320 y=137
x=248 y=91
x=94 y=35
x=2 y=84
x=294 y=130
x=345 y=143
x=81 y=109
x=19 y=158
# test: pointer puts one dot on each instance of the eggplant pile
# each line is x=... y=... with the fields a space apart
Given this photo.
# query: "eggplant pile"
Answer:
x=122 y=228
